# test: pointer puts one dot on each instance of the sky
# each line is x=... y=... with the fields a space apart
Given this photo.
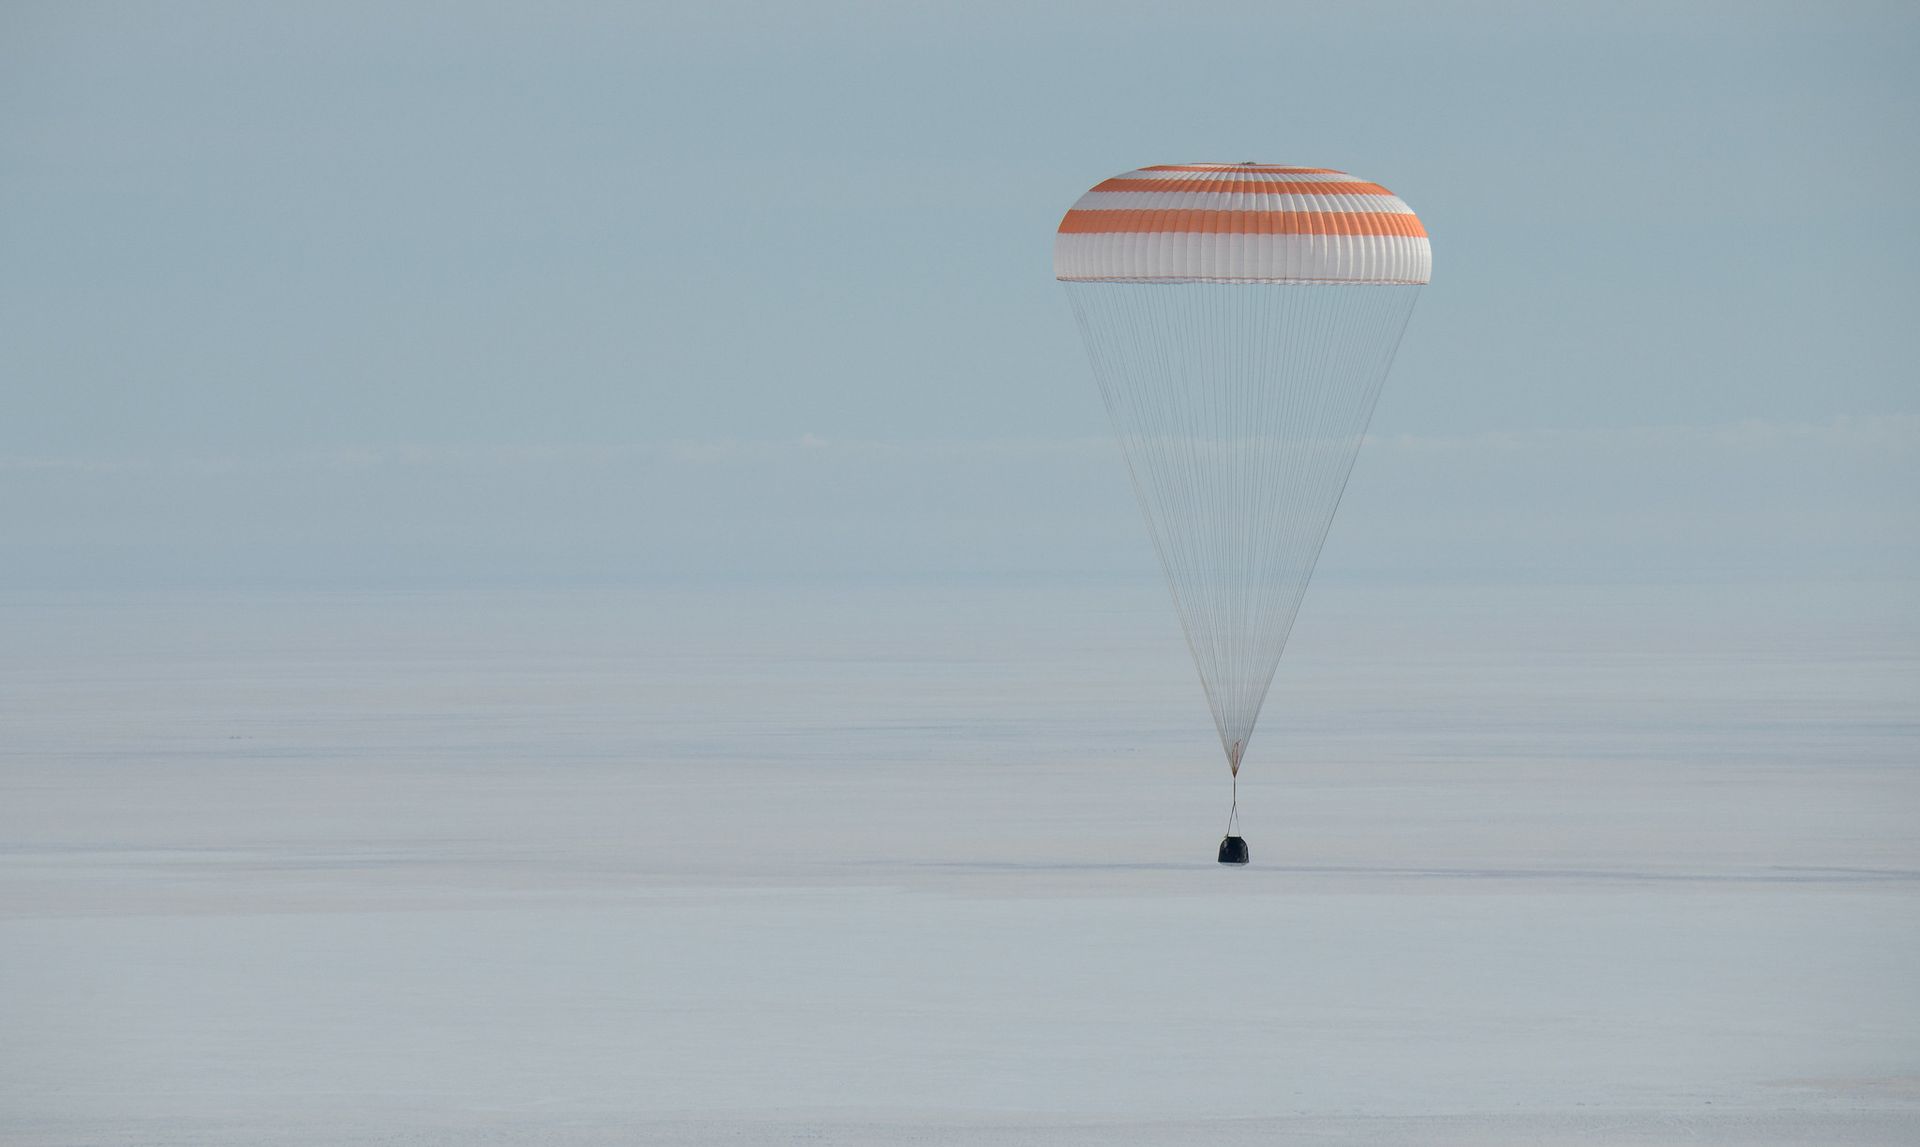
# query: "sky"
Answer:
x=472 y=294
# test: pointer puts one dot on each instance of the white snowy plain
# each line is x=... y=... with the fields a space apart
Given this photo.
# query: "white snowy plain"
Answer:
x=934 y=865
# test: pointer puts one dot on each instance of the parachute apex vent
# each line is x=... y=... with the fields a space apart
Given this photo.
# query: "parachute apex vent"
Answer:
x=1233 y=850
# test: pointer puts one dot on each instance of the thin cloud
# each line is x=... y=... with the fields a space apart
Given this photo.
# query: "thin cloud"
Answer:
x=1891 y=432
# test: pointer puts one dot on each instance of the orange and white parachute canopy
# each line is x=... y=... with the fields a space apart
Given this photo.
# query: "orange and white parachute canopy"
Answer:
x=1241 y=222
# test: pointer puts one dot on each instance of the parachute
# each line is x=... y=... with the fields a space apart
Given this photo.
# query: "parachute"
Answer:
x=1240 y=320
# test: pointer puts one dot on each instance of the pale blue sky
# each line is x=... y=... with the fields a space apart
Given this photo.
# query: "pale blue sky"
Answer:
x=462 y=292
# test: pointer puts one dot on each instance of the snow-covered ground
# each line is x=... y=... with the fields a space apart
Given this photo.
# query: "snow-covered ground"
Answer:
x=933 y=865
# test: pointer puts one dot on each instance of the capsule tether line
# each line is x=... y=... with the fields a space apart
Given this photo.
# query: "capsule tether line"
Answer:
x=1233 y=763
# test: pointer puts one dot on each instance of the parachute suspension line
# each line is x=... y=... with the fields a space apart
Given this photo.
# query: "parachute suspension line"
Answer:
x=1240 y=408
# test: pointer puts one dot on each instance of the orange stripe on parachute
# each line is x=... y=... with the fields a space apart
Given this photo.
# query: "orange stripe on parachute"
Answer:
x=1243 y=223
x=1258 y=168
x=1249 y=186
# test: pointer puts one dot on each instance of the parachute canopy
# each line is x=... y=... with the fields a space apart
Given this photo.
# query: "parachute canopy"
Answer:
x=1240 y=320
x=1241 y=223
